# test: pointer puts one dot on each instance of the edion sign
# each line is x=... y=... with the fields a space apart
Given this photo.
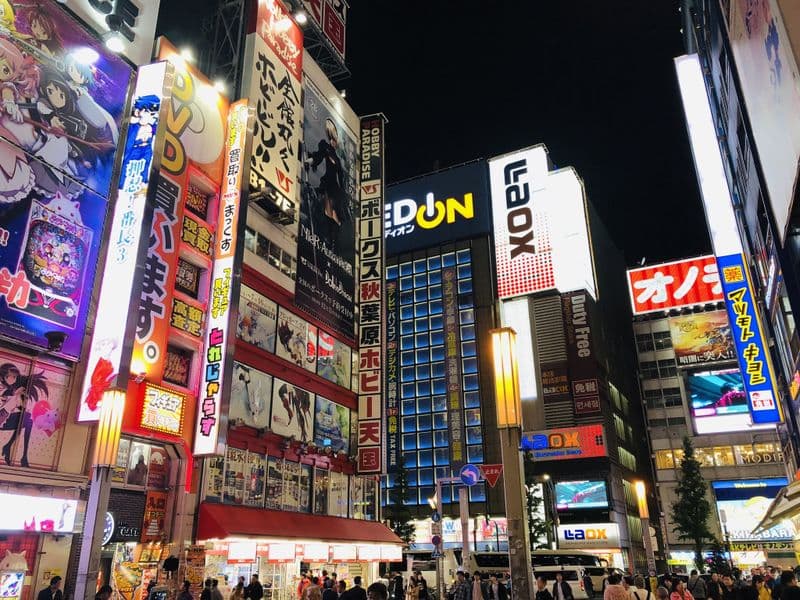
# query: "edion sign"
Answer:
x=674 y=284
x=541 y=232
x=591 y=535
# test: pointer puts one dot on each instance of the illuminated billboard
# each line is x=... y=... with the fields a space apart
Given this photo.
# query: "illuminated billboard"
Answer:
x=541 y=230
x=718 y=402
x=674 y=285
x=448 y=205
x=701 y=338
x=581 y=494
x=742 y=503
x=584 y=441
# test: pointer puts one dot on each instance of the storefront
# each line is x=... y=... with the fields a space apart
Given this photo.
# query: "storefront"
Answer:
x=237 y=541
x=485 y=534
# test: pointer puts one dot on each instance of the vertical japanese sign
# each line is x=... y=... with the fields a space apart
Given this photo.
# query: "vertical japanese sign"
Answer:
x=225 y=282
x=751 y=349
x=272 y=79
x=392 y=372
x=583 y=372
x=371 y=276
x=109 y=356
x=452 y=365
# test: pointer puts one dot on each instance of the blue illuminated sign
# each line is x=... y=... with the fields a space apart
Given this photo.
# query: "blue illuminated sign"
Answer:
x=751 y=350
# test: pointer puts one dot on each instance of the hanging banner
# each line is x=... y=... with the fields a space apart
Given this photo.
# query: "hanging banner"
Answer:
x=452 y=363
x=109 y=356
x=325 y=282
x=155 y=512
x=371 y=327
x=583 y=371
x=392 y=379
x=751 y=348
x=217 y=368
x=701 y=338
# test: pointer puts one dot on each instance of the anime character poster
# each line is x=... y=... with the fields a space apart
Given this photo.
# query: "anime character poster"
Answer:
x=332 y=425
x=328 y=185
x=137 y=464
x=333 y=360
x=291 y=411
x=32 y=404
x=257 y=319
x=63 y=96
x=297 y=340
x=251 y=396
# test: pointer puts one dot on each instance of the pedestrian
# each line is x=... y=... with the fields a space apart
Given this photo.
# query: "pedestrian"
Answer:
x=396 y=587
x=542 y=593
x=588 y=585
x=497 y=591
x=378 y=591
x=412 y=589
x=679 y=591
x=639 y=591
x=186 y=594
x=53 y=592
x=662 y=593
x=150 y=587
x=561 y=589
x=423 y=586
x=614 y=588
x=729 y=591
x=714 y=588
x=238 y=591
x=356 y=592
x=653 y=581
x=384 y=579
x=216 y=594
x=460 y=589
x=697 y=585
x=479 y=591
x=762 y=591
x=313 y=591
x=304 y=582
x=341 y=587
x=206 y=593
x=328 y=591
x=254 y=591
x=790 y=590
x=104 y=593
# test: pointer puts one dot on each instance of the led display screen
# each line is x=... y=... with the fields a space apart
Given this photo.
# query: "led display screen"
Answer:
x=581 y=494
x=742 y=504
x=718 y=401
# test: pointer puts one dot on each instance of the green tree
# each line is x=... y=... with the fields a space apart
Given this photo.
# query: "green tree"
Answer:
x=719 y=562
x=396 y=511
x=692 y=509
x=539 y=527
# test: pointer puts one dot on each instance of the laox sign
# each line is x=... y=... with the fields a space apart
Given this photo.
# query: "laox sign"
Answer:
x=519 y=219
x=586 y=533
x=597 y=535
x=569 y=439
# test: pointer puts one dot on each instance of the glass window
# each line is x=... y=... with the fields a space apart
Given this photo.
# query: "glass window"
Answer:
x=644 y=342
x=406 y=359
x=436 y=322
x=423 y=372
x=421 y=295
x=472 y=399
x=662 y=340
x=475 y=454
x=439 y=386
x=407 y=406
x=472 y=417
x=723 y=456
x=424 y=422
x=468 y=349
x=424 y=404
x=449 y=259
x=465 y=287
x=672 y=396
x=419 y=266
x=440 y=420
x=667 y=368
x=469 y=365
x=653 y=398
x=467 y=316
x=441 y=456
x=409 y=441
x=406 y=313
x=250 y=239
x=426 y=476
x=474 y=435
x=406 y=327
x=422 y=356
x=437 y=337
x=470 y=382
x=405 y=268
x=440 y=439
x=423 y=388
x=406 y=283
x=434 y=262
x=406 y=342
x=406 y=298
x=409 y=459
x=648 y=369
x=424 y=441
x=437 y=369
x=705 y=456
x=435 y=307
x=464 y=271
x=435 y=292
x=477 y=493
x=437 y=353
x=420 y=325
x=665 y=459
x=462 y=256
x=439 y=403
x=391 y=272
x=434 y=277
x=420 y=310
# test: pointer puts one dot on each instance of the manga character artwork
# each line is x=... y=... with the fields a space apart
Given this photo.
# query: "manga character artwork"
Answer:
x=61 y=101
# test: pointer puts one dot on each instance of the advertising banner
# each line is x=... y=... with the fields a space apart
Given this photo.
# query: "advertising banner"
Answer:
x=292 y=409
x=581 y=494
x=297 y=340
x=334 y=361
x=674 y=285
x=371 y=325
x=251 y=396
x=541 y=231
x=258 y=317
x=701 y=338
x=585 y=441
x=584 y=375
x=768 y=75
x=751 y=348
x=217 y=363
x=450 y=205
x=742 y=504
x=332 y=425
x=392 y=378
x=272 y=78
x=37 y=513
x=589 y=535
x=155 y=512
x=326 y=245
x=163 y=410
x=719 y=402
x=109 y=356
x=555 y=381
x=64 y=100
x=452 y=363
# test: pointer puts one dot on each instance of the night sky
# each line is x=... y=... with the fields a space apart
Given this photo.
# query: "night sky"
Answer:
x=593 y=81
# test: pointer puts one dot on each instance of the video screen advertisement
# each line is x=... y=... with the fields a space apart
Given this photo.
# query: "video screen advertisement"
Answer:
x=64 y=95
x=742 y=503
x=577 y=495
x=718 y=402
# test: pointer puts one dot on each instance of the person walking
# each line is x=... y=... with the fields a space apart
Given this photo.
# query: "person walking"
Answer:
x=185 y=593
x=679 y=591
x=479 y=591
x=328 y=591
x=497 y=591
x=238 y=591
x=561 y=589
x=396 y=586
x=206 y=593
x=412 y=589
x=640 y=591
x=254 y=591
x=356 y=592
x=614 y=589
x=697 y=585
x=714 y=588
x=216 y=594
x=53 y=591
x=588 y=585
x=460 y=589
x=378 y=591
x=542 y=593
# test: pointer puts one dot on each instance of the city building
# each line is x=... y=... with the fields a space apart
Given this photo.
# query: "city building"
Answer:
x=759 y=139
x=692 y=387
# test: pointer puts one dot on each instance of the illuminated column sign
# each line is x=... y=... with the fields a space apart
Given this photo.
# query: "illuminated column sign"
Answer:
x=371 y=327
x=218 y=358
x=392 y=366
x=751 y=348
x=452 y=364
x=117 y=308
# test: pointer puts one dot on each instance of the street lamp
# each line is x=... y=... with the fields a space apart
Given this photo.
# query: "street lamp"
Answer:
x=644 y=514
x=509 y=422
x=106 y=447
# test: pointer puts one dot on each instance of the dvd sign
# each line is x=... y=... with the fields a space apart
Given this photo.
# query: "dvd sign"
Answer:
x=448 y=205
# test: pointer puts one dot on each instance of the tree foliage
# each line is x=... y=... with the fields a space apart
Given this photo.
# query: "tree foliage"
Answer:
x=690 y=512
x=397 y=510
x=539 y=527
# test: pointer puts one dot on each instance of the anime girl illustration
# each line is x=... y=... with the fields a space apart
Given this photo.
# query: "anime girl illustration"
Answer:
x=19 y=79
x=7 y=18
x=81 y=79
x=18 y=396
x=333 y=210
x=44 y=32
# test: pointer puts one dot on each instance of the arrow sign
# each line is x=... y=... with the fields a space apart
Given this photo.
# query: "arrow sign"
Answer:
x=491 y=473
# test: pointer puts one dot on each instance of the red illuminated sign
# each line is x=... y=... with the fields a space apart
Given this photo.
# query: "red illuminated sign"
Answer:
x=674 y=285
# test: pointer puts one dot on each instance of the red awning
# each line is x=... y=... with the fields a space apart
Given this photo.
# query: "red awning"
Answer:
x=220 y=521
